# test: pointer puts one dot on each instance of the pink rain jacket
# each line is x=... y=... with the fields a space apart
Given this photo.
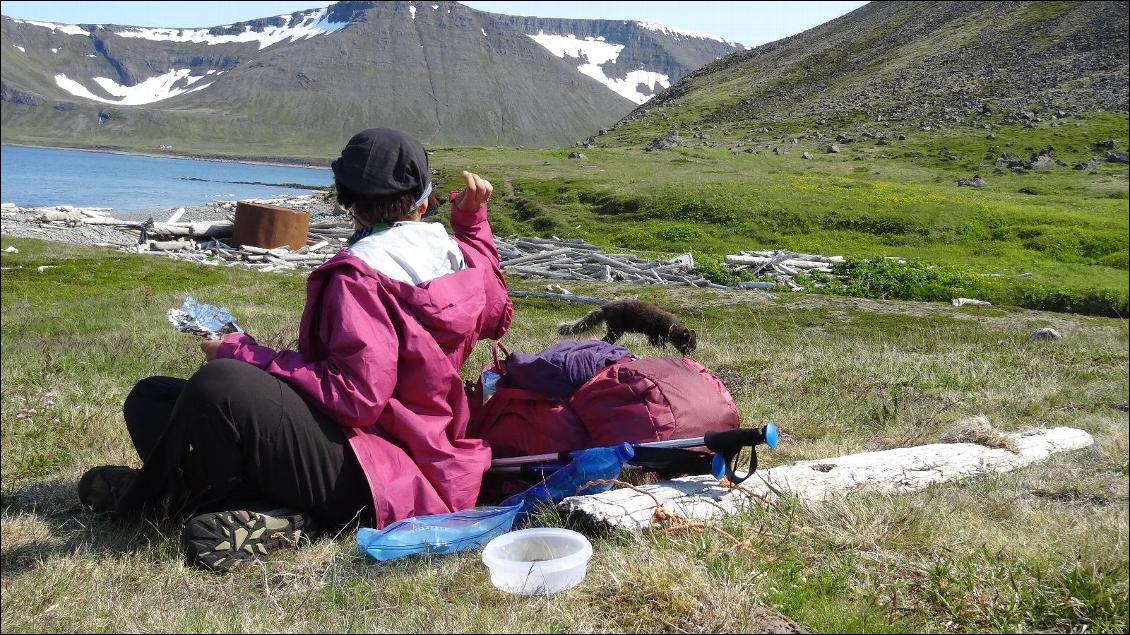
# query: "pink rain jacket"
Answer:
x=382 y=358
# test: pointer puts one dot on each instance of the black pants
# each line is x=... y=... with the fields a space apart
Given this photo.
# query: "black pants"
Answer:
x=234 y=436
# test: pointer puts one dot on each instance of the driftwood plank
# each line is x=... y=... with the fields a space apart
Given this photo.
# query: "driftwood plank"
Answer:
x=536 y=257
x=791 y=262
x=565 y=297
x=901 y=470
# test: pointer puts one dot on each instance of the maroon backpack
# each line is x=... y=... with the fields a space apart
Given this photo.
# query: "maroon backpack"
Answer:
x=635 y=401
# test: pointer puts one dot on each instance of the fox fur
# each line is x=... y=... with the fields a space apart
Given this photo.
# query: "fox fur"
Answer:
x=634 y=316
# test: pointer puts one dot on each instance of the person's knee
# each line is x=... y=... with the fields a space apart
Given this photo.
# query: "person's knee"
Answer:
x=219 y=380
x=149 y=390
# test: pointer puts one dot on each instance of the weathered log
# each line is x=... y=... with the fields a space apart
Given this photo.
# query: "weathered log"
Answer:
x=617 y=264
x=106 y=220
x=544 y=273
x=788 y=262
x=673 y=267
x=890 y=471
x=276 y=251
x=201 y=230
x=565 y=297
x=532 y=246
x=757 y=285
x=301 y=258
x=50 y=216
x=279 y=262
x=576 y=244
x=171 y=245
x=227 y=254
x=545 y=255
x=796 y=256
x=672 y=277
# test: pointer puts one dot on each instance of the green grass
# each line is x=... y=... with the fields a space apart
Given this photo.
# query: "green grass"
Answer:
x=1054 y=239
x=1051 y=239
x=1040 y=549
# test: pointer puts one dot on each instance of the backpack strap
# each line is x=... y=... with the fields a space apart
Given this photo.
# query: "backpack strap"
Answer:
x=495 y=347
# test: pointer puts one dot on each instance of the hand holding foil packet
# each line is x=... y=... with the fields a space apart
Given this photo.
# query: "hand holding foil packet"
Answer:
x=204 y=320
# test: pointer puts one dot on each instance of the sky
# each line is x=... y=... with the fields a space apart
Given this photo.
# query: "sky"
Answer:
x=748 y=23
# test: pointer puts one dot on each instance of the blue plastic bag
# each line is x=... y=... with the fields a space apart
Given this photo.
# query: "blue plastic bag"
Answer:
x=471 y=528
x=437 y=533
x=594 y=464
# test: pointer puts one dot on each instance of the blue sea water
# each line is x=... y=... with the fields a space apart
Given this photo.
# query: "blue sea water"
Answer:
x=49 y=176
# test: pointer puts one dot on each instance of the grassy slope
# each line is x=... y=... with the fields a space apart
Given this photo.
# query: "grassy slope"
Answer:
x=1042 y=548
x=1066 y=228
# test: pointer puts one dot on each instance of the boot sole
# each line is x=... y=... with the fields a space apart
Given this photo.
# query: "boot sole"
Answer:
x=222 y=541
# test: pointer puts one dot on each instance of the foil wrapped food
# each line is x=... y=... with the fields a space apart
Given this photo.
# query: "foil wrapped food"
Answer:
x=201 y=319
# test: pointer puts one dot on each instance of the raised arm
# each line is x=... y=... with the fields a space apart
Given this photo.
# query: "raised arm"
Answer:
x=476 y=241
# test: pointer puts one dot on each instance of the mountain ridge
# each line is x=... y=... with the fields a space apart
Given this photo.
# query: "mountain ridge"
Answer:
x=441 y=70
x=914 y=65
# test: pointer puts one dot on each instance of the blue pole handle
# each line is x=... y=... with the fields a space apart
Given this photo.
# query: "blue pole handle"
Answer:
x=718 y=466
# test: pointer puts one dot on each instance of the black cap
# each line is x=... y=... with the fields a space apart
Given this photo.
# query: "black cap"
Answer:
x=383 y=162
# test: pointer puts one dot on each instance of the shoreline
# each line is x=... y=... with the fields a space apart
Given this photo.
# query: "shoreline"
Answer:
x=282 y=163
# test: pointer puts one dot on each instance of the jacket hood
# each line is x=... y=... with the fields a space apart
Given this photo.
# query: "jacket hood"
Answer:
x=449 y=307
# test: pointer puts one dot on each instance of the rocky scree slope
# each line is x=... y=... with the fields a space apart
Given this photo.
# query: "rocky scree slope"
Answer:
x=923 y=64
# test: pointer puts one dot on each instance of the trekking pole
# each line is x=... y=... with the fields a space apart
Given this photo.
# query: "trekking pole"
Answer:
x=726 y=446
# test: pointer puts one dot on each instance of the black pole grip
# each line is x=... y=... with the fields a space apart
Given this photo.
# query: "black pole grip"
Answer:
x=730 y=443
x=733 y=439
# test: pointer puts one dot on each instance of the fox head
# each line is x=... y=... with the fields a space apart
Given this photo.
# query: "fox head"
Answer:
x=684 y=340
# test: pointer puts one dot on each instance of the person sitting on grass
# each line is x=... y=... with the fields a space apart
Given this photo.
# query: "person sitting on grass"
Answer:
x=366 y=421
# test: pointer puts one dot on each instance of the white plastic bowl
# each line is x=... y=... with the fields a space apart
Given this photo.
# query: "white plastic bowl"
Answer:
x=537 y=561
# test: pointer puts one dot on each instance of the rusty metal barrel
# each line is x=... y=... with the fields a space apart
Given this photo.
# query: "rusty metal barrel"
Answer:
x=269 y=226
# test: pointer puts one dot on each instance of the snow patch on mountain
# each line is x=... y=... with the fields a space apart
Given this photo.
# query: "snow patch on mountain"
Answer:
x=149 y=91
x=629 y=86
x=309 y=25
x=596 y=52
x=69 y=29
x=677 y=33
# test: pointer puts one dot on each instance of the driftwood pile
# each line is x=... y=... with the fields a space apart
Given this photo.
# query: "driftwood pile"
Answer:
x=781 y=265
x=208 y=242
x=204 y=242
x=576 y=259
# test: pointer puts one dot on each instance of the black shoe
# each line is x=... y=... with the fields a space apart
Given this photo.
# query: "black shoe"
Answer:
x=222 y=541
x=100 y=489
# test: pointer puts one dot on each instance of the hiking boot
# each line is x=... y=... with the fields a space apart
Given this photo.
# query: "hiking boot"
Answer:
x=222 y=541
x=100 y=488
